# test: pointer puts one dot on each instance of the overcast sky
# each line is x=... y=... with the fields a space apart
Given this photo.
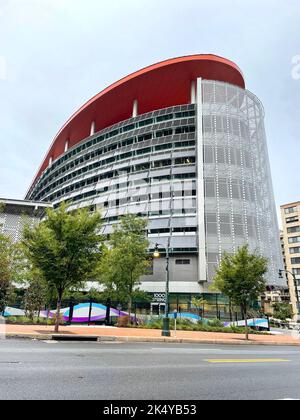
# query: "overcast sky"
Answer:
x=56 y=54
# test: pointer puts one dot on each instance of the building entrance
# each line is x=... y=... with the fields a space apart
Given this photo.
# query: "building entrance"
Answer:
x=158 y=308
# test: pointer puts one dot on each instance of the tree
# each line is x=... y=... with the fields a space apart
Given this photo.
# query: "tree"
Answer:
x=199 y=304
x=65 y=248
x=240 y=277
x=35 y=295
x=6 y=271
x=125 y=260
x=283 y=311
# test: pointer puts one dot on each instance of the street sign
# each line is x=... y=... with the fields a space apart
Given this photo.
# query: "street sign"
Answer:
x=159 y=298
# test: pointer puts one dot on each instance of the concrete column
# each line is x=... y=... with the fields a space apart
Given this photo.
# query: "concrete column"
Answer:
x=193 y=92
x=50 y=161
x=93 y=128
x=66 y=146
x=135 y=109
x=202 y=273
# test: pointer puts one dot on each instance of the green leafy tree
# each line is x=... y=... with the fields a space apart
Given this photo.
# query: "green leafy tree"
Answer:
x=79 y=296
x=65 y=249
x=125 y=260
x=283 y=311
x=199 y=304
x=8 y=268
x=6 y=271
x=35 y=295
x=240 y=277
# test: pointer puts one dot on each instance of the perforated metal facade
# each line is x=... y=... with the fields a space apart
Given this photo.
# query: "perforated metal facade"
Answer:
x=15 y=214
x=239 y=199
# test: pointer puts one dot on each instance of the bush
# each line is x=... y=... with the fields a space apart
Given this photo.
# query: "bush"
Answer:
x=23 y=320
x=187 y=325
x=124 y=322
x=216 y=323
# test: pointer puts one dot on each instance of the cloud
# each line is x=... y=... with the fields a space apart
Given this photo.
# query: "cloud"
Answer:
x=3 y=68
x=296 y=67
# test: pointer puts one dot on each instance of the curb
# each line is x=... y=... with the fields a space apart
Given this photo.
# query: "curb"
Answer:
x=99 y=339
x=24 y=336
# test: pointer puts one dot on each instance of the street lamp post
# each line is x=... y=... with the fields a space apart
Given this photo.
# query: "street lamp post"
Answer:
x=295 y=285
x=166 y=320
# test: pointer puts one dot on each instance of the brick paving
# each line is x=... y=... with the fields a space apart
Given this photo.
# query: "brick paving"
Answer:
x=150 y=335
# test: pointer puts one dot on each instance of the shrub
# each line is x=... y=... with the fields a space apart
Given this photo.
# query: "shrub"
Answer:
x=124 y=322
x=23 y=320
x=215 y=323
x=187 y=325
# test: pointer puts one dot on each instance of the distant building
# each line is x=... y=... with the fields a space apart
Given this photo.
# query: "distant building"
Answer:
x=16 y=213
x=290 y=239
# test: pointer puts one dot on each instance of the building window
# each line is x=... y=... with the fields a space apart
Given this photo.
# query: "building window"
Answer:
x=293 y=229
x=185 y=130
x=185 y=114
x=163 y=147
x=296 y=271
x=165 y=118
x=164 y=133
x=162 y=163
x=185 y=230
x=292 y=219
x=295 y=260
x=158 y=231
x=294 y=240
x=128 y=128
x=145 y=137
x=295 y=250
x=290 y=210
x=143 y=151
x=146 y=122
x=185 y=160
x=183 y=262
x=127 y=142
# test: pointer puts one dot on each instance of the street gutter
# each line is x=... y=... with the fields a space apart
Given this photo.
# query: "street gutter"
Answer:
x=97 y=338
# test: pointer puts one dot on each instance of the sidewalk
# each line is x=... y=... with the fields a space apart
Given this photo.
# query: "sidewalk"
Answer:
x=140 y=335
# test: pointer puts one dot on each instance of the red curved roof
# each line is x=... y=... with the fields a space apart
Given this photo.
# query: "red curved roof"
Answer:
x=155 y=87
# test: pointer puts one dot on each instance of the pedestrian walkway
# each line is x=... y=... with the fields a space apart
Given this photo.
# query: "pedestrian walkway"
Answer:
x=137 y=334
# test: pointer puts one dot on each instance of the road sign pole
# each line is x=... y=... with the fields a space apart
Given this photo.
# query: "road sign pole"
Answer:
x=175 y=318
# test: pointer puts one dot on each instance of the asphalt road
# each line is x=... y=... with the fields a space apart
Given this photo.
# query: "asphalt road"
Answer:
x=79 y=371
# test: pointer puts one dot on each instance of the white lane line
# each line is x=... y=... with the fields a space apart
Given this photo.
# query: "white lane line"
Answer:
x=185 y=350
x=289 y=399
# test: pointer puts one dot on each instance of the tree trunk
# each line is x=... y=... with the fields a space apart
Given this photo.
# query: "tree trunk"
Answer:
x=48 y=311
x=130 y=309
x=246 y=324
x=58 y=314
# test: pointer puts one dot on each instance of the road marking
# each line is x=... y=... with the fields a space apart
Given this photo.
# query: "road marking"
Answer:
x=50 y=342
x=221 y=361
x=185 y=350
